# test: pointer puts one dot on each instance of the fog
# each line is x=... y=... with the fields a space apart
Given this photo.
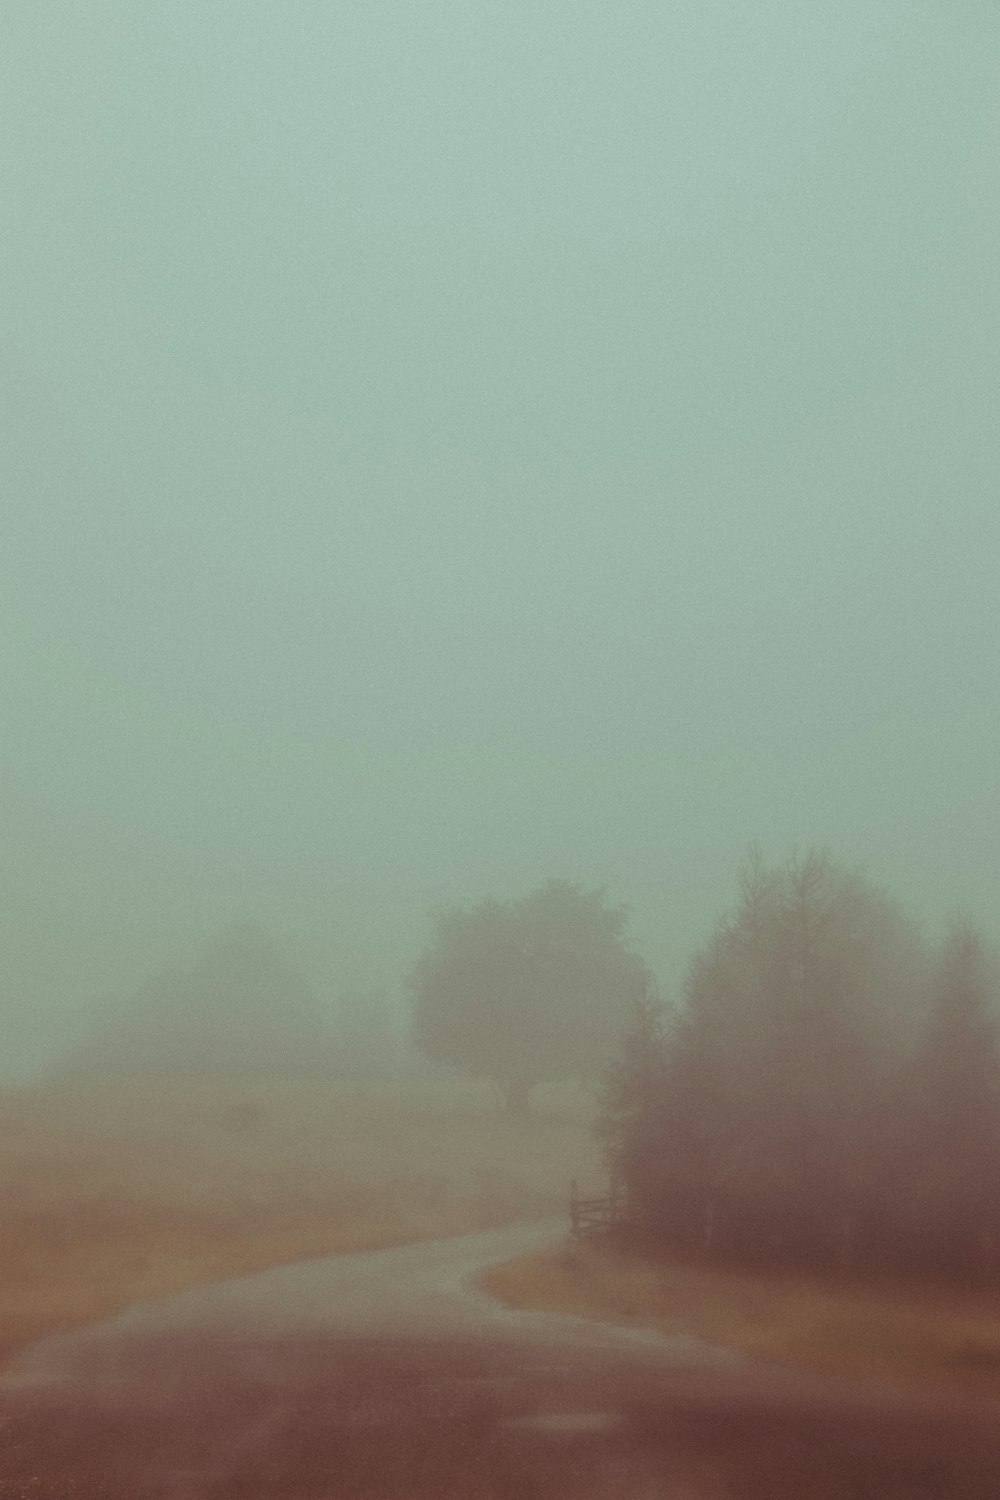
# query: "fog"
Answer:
x=452 y=445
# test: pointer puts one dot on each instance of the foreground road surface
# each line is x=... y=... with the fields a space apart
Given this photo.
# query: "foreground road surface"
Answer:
x=385 y=1376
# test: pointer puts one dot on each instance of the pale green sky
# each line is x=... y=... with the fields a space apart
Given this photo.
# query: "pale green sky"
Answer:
x=451 y=444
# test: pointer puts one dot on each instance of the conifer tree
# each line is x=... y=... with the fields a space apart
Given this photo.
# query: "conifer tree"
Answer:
x=955 y=1165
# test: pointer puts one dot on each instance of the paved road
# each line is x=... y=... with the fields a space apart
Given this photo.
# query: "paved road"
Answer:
x=388 y=1377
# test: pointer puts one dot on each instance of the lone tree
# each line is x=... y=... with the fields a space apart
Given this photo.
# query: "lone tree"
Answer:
x=527 y=992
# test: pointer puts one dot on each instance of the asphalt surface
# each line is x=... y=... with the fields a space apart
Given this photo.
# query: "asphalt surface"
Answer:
x=387 y=1376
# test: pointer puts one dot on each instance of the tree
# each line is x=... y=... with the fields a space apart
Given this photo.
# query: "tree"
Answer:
x=633 y=1089
x=526 y=992
x=955 y=1113
x=241 y=1011
x=252 y=1011
x=766 y=1136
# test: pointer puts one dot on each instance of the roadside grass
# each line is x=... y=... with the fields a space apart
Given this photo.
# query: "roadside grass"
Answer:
x=911 y=1335
x=114 y=1194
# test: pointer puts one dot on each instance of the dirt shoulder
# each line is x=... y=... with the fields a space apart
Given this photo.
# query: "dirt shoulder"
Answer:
x=938 y=1341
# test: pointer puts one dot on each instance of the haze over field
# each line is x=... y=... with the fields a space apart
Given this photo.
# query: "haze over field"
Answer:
x=452 y=445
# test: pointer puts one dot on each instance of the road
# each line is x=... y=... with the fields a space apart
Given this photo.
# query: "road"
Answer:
x=388 y=1376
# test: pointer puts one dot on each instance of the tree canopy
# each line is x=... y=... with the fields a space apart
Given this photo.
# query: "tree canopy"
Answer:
x=242 y=1010
x=528 y=991
x=827 y=1093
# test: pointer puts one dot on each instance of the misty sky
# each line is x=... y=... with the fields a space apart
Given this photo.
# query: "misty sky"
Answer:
x=450 y=443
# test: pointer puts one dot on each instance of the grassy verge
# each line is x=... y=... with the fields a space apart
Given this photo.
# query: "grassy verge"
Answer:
x=911 y=1336
x=115 y=1195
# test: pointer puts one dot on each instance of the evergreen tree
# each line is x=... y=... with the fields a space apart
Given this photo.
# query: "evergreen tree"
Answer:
x=953 y=1218
x=633 y=1089
x=764 y=1139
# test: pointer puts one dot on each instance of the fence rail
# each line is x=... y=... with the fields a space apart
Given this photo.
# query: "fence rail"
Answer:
x=590 y=1217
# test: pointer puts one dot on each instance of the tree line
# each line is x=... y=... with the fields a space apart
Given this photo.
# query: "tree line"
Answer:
x=825 y=1091
x=827 y=1094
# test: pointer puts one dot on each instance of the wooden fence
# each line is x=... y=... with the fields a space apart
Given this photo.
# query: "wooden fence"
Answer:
x=592 y=1217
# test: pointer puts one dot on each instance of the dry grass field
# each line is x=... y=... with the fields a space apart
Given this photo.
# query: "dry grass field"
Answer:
x=111 y=1195
x=912 y=1336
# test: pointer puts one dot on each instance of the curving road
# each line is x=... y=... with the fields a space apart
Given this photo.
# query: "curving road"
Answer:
x=387 y=1376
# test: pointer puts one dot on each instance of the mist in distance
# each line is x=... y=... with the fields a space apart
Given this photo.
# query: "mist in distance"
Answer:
x=448 y=447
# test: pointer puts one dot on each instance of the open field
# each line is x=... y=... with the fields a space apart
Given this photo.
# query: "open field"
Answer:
x=111 y=1195
x=912 y=1336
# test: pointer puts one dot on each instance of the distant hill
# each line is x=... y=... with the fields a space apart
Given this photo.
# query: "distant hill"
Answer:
x=241 y=1011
